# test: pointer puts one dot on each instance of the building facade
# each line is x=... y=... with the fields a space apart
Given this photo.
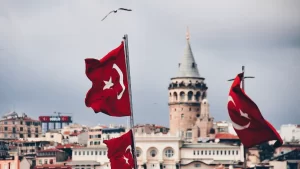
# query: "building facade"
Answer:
x=290 y=132
x=15 y=126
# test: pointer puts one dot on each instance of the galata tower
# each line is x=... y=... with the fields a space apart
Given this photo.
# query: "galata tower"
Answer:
x=188 y=106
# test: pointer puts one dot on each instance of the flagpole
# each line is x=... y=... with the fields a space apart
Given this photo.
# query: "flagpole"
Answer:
x=245 y=149
x=130 y=97
x=243 y=87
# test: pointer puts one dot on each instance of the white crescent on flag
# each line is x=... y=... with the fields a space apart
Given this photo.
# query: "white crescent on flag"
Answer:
x=235 y=125
x=115 y=66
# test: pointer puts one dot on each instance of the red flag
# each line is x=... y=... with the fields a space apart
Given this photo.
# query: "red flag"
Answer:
x=247 y=120
x=120 y=151
x=109 y=93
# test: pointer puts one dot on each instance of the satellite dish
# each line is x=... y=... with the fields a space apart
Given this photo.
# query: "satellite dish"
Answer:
x=217 y=140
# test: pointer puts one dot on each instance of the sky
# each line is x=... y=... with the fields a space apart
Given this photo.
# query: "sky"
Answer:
x=43 y=45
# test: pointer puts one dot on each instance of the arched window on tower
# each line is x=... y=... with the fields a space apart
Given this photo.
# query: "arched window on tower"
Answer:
x=190 y=95
x=197 y=96
x=175 y=96
x=182 y=95
x=182 y=116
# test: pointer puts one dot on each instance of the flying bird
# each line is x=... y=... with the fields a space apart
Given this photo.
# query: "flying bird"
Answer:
x=115 y=11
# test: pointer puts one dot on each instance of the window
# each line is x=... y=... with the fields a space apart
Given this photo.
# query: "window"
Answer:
x=100 y=152
x=87 y=152
x=182 y=116
x=83 y=152
x=201 y=152
x=79 y=153
x=198 y=152
x=194 y=152
x=197 y=96
x=189 y=134
x=190 y=109
x=96 y=152
x=197 y=165
x=5 y=122
x=21 y=128
x=237 y=152
x=138 y=153
x=45 y=161
x=225 y=152
x=169 y=153
x=40 y=162
x=29 y=135
x=190 y=95
x=209 y=152
x=5 y=129
x=217 y=152
x=228 y=152
x=75 y=153
x=232 y=152
x=182 y=95
x=104 y=152
x=92 y=152
x=21 y=122
x=213 y=152
x=221 y=152
x=152 y=153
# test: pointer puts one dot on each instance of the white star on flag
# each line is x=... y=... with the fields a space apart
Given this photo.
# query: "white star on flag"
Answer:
x=108 y=84
x=126 y=159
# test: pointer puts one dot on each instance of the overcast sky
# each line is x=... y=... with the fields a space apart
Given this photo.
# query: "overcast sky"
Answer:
x=43 y=45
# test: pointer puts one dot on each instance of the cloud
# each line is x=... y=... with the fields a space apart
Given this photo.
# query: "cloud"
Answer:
x=42 y=66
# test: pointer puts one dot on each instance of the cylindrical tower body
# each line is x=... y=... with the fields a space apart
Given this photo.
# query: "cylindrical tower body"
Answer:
x=185 y=96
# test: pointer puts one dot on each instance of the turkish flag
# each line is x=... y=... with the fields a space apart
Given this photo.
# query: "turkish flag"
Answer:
x=109 y=93
x=247 y=120
x=120 y=151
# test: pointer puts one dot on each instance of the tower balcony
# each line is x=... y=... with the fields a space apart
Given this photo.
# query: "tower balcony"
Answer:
x=201 y=86
x=185 y=103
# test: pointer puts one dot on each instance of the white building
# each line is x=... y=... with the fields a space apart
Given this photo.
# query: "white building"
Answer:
x=290 y=132
x=209 y=155
x=162 y=150
x=224 y=126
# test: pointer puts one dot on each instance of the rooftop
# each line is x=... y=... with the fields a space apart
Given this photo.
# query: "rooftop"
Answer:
x=207 y=145
x=187 y=65
x=226 y=136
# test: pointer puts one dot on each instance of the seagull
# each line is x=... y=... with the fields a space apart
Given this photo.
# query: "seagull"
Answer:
x=115 y=11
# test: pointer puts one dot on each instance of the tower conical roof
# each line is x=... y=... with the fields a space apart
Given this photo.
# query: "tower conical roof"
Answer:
x=187 y=65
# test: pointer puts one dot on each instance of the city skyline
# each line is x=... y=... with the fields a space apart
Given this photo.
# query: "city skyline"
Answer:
x=43 y=47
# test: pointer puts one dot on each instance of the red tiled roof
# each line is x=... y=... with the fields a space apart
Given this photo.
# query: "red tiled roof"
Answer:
x=66 y=133
x=226 y=136
x=75 y=134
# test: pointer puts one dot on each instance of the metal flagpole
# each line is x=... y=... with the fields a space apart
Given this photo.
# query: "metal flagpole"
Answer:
x=243 y=87
x=130 y=97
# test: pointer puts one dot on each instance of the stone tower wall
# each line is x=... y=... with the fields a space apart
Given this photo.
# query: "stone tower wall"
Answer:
x=184 y=103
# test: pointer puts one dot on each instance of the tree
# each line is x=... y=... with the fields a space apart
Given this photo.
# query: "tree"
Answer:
x=266 y=151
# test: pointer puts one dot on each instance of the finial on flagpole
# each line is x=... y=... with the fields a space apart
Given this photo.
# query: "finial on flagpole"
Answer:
x=187 y=33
